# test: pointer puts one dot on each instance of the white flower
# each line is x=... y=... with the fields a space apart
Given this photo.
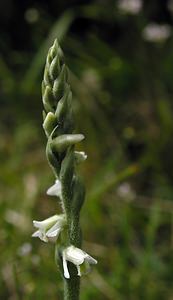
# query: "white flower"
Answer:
x=49 y=229
x=78 y=257
x=156 y=33
x=80 y=156
x=125 y=191
x=55 y=190
x=130 y=6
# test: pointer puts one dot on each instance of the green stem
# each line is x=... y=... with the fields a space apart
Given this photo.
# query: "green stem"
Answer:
x=72 y=288
x=72 y=285
x=75 y=232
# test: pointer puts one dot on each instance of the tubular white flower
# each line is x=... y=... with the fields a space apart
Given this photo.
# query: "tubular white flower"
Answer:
x=79 y=258
x=49 y=229
x=55 y=190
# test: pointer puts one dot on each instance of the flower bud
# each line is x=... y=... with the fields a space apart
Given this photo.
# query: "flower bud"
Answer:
x=54 y=68
x=60 y=83
x=63 y=104
x=48 y=99
x=49 y=123
x=62 y=142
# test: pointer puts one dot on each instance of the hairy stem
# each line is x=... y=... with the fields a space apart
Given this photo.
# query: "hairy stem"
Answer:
x=72 y=288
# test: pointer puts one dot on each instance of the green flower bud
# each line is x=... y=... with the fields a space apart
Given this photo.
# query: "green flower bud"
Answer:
x=49 y=123
x=53 y=50
x=47 y=79
x=48 y=99
x=60 y=84
x=63 y=104
x=62 y=142
x=54 y=68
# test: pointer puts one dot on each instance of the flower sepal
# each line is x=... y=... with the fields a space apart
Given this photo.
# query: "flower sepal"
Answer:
x=55 y=189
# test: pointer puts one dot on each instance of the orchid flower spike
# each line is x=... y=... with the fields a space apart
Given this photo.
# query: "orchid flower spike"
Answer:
x=49 y=229
x=59 y=125
x=79 y=258
x=55 y=190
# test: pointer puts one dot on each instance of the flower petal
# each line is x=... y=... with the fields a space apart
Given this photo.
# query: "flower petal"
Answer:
x=75 y=255
x=53 y=233
x=41 y=235
x=78 y=270
x=55 y=190
x=66 y=272
x=36 y=234
x=90 y=260
x=47 y=223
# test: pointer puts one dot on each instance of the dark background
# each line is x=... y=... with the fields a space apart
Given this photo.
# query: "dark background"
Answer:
x=122 y=93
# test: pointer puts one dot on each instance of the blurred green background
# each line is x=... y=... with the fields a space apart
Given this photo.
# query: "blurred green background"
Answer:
x=120 y=54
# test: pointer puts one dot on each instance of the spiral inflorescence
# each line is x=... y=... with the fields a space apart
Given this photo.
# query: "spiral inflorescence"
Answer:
x=58 y=123
x=59 y=126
